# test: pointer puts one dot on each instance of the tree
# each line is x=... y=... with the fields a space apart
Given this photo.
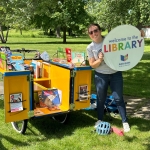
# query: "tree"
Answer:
x=111 y=13
x=3 y=21
x=14 y=14
x=60 y=14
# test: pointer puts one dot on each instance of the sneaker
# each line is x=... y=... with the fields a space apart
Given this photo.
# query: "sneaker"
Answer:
x=126 y=127
x=96 y=124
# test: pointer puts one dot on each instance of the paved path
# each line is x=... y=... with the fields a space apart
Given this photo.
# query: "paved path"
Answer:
x=136 y=107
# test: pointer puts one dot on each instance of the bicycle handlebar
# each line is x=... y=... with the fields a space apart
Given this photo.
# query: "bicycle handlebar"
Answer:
x=24 y=50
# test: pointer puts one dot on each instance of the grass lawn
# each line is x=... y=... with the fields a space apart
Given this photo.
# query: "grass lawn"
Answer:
x=45 y=133
x=136 y=80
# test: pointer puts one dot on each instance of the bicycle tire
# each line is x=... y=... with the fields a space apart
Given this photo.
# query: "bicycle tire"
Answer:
x=63 y=118
x=20 y=126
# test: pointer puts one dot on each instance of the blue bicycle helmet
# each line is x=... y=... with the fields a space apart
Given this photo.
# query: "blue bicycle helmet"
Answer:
x=103 y=128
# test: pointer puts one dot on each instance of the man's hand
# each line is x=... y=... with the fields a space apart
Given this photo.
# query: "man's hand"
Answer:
x=101 y=55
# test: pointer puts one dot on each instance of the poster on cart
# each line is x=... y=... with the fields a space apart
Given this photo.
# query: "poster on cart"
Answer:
x=83 y=92
x=123 y=47
x=16 y=102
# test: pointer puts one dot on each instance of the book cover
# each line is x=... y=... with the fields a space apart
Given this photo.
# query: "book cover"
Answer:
x=16 y=102
x=83 y=92
x=68 y=54
x=38 y=69
x=78 y=58
x=36 y=65
x=3 y=56
x=61 y=53
x=45 y=56
x=49 y=98
x=3 y=64
x=17 y=61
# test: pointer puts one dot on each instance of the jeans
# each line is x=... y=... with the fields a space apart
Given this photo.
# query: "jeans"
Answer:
x=115 y=81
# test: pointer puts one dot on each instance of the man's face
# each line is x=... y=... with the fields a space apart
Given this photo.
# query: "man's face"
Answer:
x=94 y=33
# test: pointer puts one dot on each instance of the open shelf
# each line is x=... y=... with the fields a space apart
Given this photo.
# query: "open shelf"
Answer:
x=38 y=87
x=41 y=79
x=45 y=111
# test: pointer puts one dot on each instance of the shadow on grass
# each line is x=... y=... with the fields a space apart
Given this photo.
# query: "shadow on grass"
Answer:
x=46 y=128
x=10 y=140
x=146 y=56
x=136 y=80
x=53 y=129
x=1 y=103
x=81 y=119
x=141 y=125
x=52 y=42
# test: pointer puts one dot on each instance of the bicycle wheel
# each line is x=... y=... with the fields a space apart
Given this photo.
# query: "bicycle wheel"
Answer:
x=63 y=118
x=20 y=126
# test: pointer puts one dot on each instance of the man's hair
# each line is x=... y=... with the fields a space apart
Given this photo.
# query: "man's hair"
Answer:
x=94 y=24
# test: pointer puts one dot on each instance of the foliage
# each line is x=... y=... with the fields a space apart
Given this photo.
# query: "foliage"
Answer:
x=48 y=15
x=63 y=14
x=116 y=12
x=16 y=13
x=71 y=16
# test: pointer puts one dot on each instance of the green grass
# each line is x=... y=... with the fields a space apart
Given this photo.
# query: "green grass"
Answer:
x=45 y=133
x=136 y=80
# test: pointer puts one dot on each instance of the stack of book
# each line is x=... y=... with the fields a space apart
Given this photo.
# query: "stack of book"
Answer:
x=50 y=99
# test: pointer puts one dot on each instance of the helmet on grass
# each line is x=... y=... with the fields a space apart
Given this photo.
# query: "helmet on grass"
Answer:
x=103 y=128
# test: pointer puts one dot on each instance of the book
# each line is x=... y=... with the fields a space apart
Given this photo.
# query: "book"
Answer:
x=37 y=68
x=49 y=98
x=78 y=58
x=17 y=62
x=83 y=92
x=3 y=64
x=61 y=53
x=3 y=56
x=6 y=51
x=16 y=102
x=40 y=70
x=37 y=73
x=45 y=56
x=68 y=54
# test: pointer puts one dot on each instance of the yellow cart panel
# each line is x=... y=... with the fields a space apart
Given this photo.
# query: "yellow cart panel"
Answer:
x=82 y=77
x=14 y=83
x=60 y=79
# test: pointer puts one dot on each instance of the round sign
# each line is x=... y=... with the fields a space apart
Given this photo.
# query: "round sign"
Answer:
x=123 y=47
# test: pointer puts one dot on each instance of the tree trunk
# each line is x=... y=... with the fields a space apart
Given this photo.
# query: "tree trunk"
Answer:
x=2 y=35
x=139 y=26
x=20 y=31
x=7 y=33
x=2 y=39
x=70 y=32
x=64 y=34
x=58 y=35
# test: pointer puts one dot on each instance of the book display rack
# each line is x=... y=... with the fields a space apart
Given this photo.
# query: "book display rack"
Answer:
x=49 y=88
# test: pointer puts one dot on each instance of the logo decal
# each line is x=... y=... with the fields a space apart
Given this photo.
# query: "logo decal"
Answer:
x=124 y=58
